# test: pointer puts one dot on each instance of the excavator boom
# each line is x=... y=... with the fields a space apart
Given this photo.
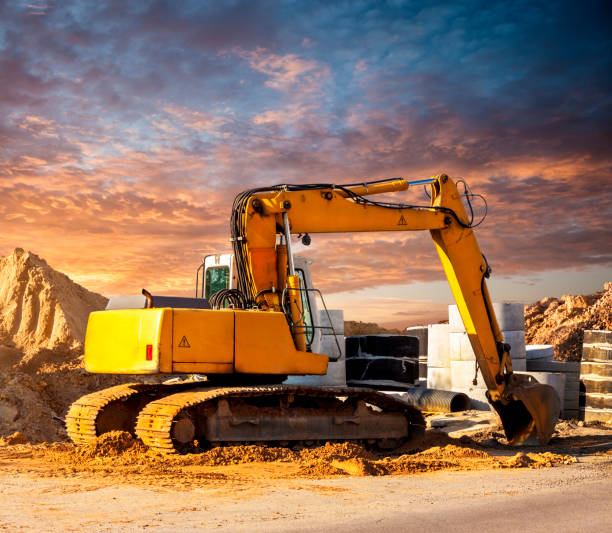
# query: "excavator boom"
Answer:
x=527 y=409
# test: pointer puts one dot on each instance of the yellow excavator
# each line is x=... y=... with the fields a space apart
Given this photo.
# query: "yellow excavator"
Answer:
x=247 y=340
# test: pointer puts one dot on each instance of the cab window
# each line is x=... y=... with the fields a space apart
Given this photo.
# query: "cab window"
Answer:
x=309 y=330
x=217 y=279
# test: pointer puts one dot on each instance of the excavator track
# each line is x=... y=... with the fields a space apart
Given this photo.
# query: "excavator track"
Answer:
x=115 y=408
x=190 y=420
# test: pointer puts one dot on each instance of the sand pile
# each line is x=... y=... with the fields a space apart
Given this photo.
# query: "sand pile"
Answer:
x=43 y=313
x=43 y=317
x=561 y=321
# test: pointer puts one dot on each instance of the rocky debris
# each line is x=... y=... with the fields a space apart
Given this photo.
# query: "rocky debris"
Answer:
x=43 y=313
x=562 y=321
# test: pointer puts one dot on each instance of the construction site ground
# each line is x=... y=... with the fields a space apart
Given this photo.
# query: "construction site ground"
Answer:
x=465 y=478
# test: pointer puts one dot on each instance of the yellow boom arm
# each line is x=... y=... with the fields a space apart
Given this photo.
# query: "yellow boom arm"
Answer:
x=265 y=268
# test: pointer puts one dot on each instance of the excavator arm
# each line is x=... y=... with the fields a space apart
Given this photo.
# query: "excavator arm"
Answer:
x=265 y=273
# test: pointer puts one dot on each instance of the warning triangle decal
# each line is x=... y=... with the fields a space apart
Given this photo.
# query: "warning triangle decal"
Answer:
x=402 y=221
x=184 y=343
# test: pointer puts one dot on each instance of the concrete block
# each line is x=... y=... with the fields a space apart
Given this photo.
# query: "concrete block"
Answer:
x=455 y=322
x=593 y=336
x=519 y=365
x=553 y=366
x=477 y=398
x=539 y=351
x=603 y=370
x=335 y=377
x=438 y=350
x=420 y=332
x=599 y=415
x=329 y=346
x=510 y=317
x=462 y=375
x=598 y=353
x=337 y=321
x=555 y=379
x=438 y=378
x=460 y=347
x=516 y=340
x=570 y=414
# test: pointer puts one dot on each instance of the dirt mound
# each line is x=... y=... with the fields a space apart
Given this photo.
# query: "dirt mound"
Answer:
x=352 y=327
x=112 y=444
x=13 y=439
x=562 y=321
x=537 y=460
x=43 y=313
x=25 y=407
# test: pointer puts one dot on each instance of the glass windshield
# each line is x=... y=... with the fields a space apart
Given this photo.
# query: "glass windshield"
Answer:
x=306 y=307
x=217 y=279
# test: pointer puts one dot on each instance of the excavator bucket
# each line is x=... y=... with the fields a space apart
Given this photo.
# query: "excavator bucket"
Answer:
x=531 y=416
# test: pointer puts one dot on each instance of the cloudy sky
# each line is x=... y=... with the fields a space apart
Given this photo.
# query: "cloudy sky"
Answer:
x=126 y=129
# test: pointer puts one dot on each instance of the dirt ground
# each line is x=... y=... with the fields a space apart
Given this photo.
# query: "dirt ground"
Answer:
x=116 y=485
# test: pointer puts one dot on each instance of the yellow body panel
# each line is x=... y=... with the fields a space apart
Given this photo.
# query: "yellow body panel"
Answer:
x=116 y=341
x=264 y=346
x=202 y=341
x=203 y=335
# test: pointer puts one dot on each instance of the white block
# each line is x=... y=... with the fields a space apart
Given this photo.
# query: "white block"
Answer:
x=460 y=347
x=510 y=317
x=462 y=375
x=335 y=377
x=477 y=397
x=539 y=351
x=329 y=346
x=455 y=322
x=438 y=351
x=337 y=321
x=516 y=340
x=555 y=379
x=438 y=378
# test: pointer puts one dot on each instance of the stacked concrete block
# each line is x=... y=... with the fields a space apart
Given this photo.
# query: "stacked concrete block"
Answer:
x=438 y=357
x=510 y=318
x=596 y=376
x=511 y=321
x=420 y=332
x=332 y=345
x=571 y=371
x=556 y=380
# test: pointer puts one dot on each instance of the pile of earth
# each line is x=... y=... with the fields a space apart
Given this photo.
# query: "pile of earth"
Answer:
x=43 y=317
x=562 y=321
x=353 y=327
x=118 y=455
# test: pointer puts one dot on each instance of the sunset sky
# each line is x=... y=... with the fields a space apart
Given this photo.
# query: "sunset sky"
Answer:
x=126 y=129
